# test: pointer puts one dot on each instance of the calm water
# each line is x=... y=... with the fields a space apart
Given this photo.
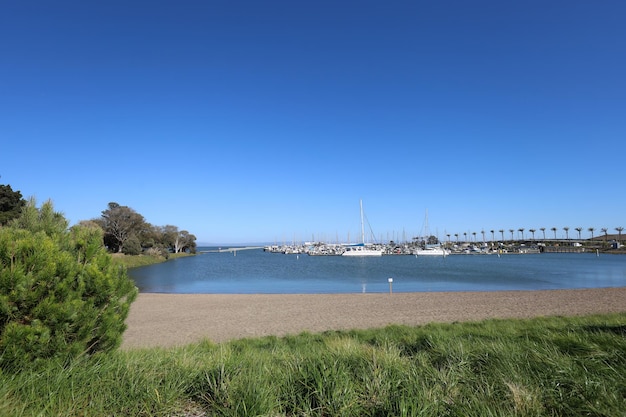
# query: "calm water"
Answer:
x=254 y=271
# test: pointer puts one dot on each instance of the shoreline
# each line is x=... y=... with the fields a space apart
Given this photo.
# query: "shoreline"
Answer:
x=168 y=320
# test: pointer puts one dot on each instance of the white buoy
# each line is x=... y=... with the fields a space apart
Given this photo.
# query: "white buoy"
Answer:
x=390 y=280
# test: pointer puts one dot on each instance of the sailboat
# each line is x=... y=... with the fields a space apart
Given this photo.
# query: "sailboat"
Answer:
x=360 y=249
x=429 y=249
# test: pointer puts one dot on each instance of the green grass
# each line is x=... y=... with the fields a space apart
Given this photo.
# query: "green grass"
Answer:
x=559 y=366
x=134 y=261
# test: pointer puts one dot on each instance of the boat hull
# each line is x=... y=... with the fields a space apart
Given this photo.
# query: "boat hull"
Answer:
x=432 y=252
x=359 y=251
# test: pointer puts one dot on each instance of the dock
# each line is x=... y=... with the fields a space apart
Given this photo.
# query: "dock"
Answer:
x=236 y=249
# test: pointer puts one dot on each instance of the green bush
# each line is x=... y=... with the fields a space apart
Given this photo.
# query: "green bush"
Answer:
x=132 y=246
x=60 y=294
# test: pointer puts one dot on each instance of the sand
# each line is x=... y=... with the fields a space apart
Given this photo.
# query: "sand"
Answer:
x=166 y=320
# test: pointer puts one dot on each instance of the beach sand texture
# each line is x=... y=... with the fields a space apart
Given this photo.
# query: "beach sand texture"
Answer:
x=166 y=320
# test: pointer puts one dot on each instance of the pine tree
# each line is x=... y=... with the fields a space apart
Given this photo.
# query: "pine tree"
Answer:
x=60 y=295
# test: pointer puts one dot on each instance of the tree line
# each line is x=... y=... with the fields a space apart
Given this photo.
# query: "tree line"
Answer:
x=532 y=231
x=124 y=230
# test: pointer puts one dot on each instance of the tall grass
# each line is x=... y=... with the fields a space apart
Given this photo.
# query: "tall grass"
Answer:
x=555 y=366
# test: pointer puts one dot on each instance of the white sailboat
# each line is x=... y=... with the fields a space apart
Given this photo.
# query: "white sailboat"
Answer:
x=360 y=249
x=429 y=249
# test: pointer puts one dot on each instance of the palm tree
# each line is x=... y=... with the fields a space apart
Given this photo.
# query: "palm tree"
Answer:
x=578 y=229
x=566 y=232
x=619 y=231
x=456 y=235
x=533 y=232
x=448 y=234
x=521 y=229
x=502 y=233
x=465 y=235
x=591 y=229
x=493 y=237
x=511 y=230
x=604 y=230
x=543 y=230
x=474 y=233
x=554 y=230
x=483 y=232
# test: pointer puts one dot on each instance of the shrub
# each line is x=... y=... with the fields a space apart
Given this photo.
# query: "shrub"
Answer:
x=158 y=251
x=132 y=246
x=60 y=294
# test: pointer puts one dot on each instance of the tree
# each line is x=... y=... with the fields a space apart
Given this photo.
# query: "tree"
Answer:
x=566 y=232
x=430 y=240
x=521 y=230
x=44 y=219
x=605 y=231
x=189 y=241
x=543 y=230
x=120 y=223
x=578 y=229
x=11 y=203
x=591 y=230
x=174 y=240
x=511 y=230
x=60 y=295
x=132 y=246
x=619 y=231
x=501 y=233
x=170 y=237
x=554 y=230
x=532 y=231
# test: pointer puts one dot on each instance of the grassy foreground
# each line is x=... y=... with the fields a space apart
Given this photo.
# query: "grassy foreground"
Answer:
x=560 y=366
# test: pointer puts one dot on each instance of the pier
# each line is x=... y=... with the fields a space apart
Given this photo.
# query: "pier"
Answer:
x=236 y=249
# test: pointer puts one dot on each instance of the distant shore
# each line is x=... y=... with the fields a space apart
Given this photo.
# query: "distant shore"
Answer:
x=166 y=320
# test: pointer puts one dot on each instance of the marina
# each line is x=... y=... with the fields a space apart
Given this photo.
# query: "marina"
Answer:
x=421 y=248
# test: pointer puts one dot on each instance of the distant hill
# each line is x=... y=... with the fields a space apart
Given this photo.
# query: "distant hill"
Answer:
x=608 y=237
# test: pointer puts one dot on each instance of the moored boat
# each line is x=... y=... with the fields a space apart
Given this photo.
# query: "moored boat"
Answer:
x=361 y=249
x=431 y=251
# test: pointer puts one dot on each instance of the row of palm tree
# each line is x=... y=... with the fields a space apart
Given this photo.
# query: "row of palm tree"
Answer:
x=542 y=229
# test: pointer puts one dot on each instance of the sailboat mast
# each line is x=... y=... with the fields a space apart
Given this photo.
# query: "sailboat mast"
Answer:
x=362 y=228
x=426 y=228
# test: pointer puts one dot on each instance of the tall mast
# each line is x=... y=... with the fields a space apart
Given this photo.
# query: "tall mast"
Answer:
x=426 y=229
x=362 y=228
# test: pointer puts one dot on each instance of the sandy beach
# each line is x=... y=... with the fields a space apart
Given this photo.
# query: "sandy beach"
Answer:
x=165 y=320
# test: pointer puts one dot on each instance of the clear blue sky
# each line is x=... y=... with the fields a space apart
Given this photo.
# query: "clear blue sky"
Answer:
x=268 y=120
